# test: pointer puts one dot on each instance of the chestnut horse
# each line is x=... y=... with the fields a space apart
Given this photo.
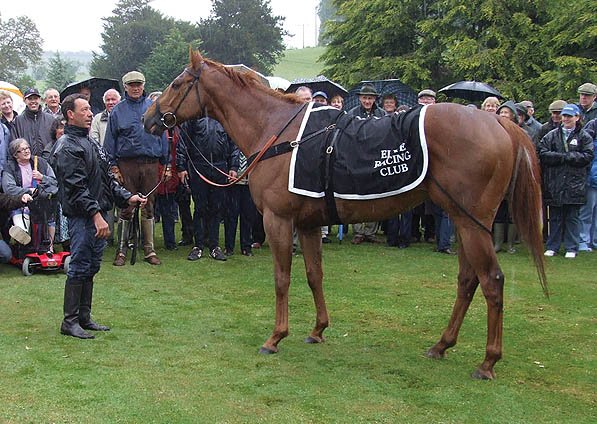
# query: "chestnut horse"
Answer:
x=476 y=157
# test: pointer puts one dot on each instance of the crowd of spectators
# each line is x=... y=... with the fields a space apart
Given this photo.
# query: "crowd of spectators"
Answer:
x=177 y=162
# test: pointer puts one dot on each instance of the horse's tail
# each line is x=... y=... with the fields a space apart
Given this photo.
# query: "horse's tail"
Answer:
x=526 y=200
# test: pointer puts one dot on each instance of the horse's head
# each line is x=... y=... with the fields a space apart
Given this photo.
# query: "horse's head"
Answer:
x=180 y=101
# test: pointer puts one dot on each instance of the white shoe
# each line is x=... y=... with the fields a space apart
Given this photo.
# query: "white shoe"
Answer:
x=19 y=235
x=549 y=253
x=570 y=255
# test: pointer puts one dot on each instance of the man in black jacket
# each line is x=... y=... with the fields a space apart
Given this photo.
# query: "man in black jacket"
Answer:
x=87 y=191
x=33 y=124
x=204 y=146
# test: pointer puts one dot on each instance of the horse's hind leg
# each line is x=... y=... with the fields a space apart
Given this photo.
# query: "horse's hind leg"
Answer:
x=279 y=234
x=467 y=284
x=478 y=249
x=311 y=246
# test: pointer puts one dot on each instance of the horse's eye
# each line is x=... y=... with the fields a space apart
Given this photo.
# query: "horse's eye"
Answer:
x=175 y=85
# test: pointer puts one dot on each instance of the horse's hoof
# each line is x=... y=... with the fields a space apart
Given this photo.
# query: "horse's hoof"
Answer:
x=266 y=351
x=482 y=376
x=434 y=354
x=312 y=340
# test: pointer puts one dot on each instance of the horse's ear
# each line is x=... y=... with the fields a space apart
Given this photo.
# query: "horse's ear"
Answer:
x=195 y=57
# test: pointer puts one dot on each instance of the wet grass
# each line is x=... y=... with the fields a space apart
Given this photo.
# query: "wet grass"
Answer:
x=184 y=341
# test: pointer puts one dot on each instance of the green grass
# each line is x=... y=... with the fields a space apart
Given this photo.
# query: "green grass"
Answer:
x=300 y=63
x=185 y=335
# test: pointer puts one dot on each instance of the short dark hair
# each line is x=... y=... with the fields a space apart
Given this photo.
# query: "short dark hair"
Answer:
x=55 y=125
x=389 y=96
x=69 y=103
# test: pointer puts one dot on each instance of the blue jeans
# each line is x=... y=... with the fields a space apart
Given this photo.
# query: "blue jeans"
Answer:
x=167 y=208
x=5 y=252
x=86 y=250
x=564 y=216
x=588 y=219
x=443 y=228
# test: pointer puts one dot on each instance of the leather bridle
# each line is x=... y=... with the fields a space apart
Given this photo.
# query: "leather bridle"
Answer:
x=169 y=119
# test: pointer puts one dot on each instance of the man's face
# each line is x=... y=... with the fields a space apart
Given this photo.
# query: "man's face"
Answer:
x=6 y=106
x=426 y=100
x=86 y=92
x=110 y=100
x=134 y=89
x=367 y=101
x=569 y=122
x=321 y=100
x=81 y=116
x=52 y=99
x=304 y=95
x=556 y=117
x=389 y=106
x=33 y=102
x=586 y=100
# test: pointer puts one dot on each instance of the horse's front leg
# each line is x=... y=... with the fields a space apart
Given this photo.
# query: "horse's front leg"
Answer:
x=279 y=235
x=311 y=246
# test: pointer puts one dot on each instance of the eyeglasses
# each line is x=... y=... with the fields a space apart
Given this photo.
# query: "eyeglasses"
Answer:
x=23 y=150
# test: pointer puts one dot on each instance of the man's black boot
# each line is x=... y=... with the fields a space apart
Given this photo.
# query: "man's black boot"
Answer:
x=85 y=320
x=72 y=297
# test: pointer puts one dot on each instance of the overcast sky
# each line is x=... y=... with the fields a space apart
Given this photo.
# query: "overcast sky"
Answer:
x=73 y=25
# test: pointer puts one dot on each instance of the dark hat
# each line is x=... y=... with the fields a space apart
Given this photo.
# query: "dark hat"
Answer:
x=426 y=92
x=320 y=93
x=570 y=109
x=521 y=108
x=368 y=89
x=31 y=92
x=587 y=88
x=557 y=106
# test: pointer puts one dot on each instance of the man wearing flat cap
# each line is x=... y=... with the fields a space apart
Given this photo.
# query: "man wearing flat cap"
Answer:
x=368 y=108
x=426 y=97
x=587 y=105
x=134 y=157
x=33 y=124
x=554 y=120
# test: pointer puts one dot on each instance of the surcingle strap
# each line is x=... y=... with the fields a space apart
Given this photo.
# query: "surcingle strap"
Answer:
x=328 y=182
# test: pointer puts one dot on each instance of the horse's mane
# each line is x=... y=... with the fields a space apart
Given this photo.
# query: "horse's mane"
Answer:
x=251 y=80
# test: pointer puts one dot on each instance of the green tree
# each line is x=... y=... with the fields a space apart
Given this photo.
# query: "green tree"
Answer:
x=20 y=46
x=130 y=35
x=244 y=31
x=61 y=72
x=381 y=39
x=24 y=82
x=326 y=11
x=166 y=61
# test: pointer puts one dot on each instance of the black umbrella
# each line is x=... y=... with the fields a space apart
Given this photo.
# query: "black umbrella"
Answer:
x=471 y=90
x=319 y=83
x=97 y=86
x=404 y=94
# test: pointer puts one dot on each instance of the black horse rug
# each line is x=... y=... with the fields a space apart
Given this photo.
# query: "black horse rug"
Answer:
x=343 y=156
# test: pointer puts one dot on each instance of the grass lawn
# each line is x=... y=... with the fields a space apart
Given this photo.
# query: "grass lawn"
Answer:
x=185 y=335
x=300 y=63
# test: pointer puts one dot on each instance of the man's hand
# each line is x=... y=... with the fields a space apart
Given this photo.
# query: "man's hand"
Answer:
x=26 y=198
x=233 y=175
x=101 y=226
x=183 y=175
x=137 y=200
x=117 y=175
